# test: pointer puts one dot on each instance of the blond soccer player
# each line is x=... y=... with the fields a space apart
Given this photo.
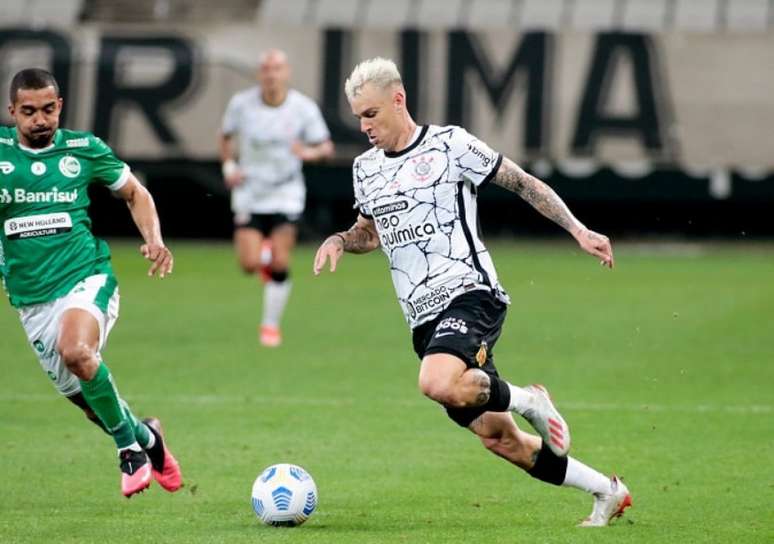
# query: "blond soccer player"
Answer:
x=416 y=190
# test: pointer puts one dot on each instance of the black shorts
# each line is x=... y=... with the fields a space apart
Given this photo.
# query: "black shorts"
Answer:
x=265 y=223
x=468 y=329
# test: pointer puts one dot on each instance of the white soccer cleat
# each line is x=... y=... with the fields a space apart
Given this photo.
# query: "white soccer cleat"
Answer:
x=546 y=420
x=609 y=506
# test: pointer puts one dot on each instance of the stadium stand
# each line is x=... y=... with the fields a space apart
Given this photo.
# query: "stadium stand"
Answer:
x=40 y=12
x=178 y=11
x=660 y=15
x=651 y=15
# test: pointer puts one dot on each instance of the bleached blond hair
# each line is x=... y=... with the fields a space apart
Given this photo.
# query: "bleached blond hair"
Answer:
x=379 y=71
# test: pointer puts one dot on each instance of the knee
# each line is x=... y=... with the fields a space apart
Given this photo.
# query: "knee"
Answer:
x=431 y=388
x=469 y=390
x=79 y=359
x=250 y=266
x=280 y=261
x=440 y=391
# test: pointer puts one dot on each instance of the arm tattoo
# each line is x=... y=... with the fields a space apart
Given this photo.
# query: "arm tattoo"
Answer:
x=359 y=239
x=539 y=195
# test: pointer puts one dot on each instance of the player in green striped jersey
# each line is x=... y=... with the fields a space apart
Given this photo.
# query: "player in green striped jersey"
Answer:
x=59 y=276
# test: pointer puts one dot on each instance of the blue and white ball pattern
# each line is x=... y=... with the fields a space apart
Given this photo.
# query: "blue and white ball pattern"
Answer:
x=284 y=495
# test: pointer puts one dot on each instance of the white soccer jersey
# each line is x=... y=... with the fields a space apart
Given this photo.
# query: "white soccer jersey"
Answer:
x=274 y=182
x=423 y=202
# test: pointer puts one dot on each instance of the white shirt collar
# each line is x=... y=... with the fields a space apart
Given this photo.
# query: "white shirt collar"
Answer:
x=38 y=150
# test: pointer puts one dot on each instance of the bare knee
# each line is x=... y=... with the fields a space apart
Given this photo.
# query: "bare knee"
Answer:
x=446 y=379
x=452 y=392
x=280 y=262
x=438 y=390
x=79 y=358
x=250 y=265
x=469 y=389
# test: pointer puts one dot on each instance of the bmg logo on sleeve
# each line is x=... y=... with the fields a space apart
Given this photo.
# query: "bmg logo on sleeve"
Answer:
x=484 y=157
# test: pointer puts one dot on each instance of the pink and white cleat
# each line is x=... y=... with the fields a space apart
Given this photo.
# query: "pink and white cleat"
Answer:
x=270 y=336
x=135 y=472
x=546 y=420
x=608 y=506
x=165 y=468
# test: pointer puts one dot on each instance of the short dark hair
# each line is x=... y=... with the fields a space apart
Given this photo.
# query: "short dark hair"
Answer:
x=32 y=78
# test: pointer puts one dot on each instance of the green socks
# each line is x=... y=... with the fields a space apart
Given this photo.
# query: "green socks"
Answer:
x=102 y=397
x=141 y=432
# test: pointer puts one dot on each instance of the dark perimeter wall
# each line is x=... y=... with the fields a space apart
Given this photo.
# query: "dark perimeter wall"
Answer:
x=193 y=204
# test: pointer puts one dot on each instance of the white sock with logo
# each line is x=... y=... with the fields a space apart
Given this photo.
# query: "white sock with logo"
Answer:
x=586 y=478
x=520 y=399
x=275 y=297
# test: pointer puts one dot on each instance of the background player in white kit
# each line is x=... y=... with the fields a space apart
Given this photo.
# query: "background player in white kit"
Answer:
x=416 y=194
x=278 y=129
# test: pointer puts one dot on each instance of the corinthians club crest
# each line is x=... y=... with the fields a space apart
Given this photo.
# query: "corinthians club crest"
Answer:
x=422 y=168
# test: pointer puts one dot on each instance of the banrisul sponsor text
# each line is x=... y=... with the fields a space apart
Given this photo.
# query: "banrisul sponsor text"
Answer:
x=22 y=196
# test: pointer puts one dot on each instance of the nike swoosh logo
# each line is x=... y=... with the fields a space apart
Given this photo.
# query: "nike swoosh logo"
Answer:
x=443 y=334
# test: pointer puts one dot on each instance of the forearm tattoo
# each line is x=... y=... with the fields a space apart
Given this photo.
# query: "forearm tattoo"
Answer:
x=539 y=195
x=359 y=239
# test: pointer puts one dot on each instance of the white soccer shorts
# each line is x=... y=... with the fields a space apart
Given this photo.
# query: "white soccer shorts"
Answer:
x=98 y=295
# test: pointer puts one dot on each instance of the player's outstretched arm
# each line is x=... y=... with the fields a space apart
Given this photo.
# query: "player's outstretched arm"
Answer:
x=143 y=211
x=541 y=197
x=360 y=238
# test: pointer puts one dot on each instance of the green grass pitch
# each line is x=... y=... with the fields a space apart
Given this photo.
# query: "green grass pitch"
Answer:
x=664 y=368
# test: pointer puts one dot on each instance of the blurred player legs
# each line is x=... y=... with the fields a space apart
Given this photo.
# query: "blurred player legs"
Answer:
x=268 y=258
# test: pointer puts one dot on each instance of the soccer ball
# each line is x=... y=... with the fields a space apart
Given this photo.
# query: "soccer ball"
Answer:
x=284 y=495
